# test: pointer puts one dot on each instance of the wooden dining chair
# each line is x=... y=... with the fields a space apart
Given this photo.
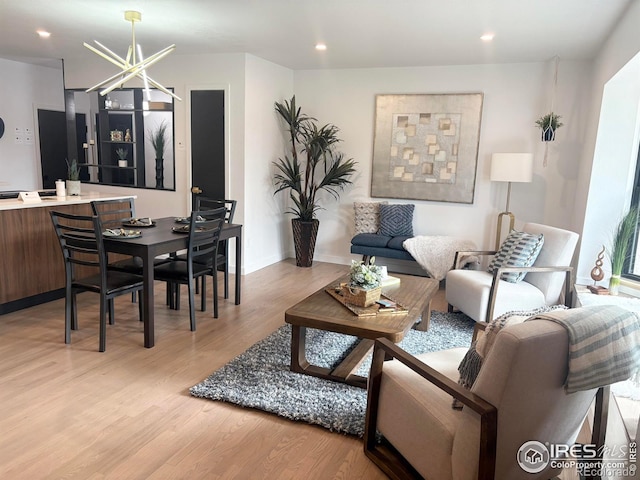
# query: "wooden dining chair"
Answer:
x=204 y=232
x=204 y=203
x=87 y=270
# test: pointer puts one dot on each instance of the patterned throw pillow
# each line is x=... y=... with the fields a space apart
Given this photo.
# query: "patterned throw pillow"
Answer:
x=367 y=216
x=519 y=249
x=396 y=220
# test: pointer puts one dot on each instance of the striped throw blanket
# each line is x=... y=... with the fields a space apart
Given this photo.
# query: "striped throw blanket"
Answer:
x=604 y=344
x=470 y=365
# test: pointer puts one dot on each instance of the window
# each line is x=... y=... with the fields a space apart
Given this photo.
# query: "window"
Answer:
x=631 y=268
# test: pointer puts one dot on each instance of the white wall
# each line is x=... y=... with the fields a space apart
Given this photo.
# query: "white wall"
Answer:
x=267 y=230
x=608 y=159
x=23 y=89
x=515 y=95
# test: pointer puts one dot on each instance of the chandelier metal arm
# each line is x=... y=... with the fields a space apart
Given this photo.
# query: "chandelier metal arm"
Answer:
x=133 y=68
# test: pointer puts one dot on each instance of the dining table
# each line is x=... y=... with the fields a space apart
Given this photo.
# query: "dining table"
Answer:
x=159 y=239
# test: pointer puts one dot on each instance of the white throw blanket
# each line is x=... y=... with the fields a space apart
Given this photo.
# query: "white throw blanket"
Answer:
x=436 y=254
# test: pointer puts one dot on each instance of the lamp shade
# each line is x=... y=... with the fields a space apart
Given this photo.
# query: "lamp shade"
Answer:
x=512 y=167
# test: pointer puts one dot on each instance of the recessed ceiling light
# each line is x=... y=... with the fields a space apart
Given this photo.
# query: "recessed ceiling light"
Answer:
x=321 y=46
x=487 y=37
x=43 y=33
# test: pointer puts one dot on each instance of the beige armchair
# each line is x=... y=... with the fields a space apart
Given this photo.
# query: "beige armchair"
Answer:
x=412 y=431
x=483 y=296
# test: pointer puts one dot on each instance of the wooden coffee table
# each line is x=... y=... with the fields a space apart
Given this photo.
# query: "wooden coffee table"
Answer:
x=321 y=311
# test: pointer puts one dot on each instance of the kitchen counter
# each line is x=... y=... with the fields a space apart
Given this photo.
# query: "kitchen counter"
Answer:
x=32 y=269
x=52 y=201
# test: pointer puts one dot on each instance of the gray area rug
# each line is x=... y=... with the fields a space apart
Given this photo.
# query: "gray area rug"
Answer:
x=260 y=377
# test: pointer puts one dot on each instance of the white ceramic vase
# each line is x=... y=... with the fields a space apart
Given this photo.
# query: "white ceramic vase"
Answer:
x=73 y=187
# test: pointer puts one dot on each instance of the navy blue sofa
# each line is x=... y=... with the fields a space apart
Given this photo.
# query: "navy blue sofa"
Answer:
x=375 y=245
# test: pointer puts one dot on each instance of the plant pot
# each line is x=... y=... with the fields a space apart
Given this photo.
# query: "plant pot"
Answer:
x=122 y=163
x=614 y=284
x=548 y=134
x=159 y=173
x=361 y=297
x=304 y=240
x=73 y=187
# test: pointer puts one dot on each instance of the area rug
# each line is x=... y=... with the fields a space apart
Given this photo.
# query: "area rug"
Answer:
x=260 y=377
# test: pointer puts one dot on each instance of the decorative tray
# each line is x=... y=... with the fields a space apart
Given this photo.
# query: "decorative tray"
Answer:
x=385 y=306
x=139 y=222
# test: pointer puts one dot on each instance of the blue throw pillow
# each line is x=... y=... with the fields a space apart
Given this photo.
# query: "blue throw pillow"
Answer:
x=396 y=220
x=519 y=249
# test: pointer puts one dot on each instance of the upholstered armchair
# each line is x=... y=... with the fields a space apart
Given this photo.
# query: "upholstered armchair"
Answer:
x=412 y=431
x=484 y=296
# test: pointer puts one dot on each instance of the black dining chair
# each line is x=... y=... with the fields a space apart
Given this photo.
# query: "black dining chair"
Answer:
x=204 y=232
x=86 y=270
x=204 y=203
x=112 y=214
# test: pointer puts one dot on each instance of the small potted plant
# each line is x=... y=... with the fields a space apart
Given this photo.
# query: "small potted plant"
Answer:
x=549 y=123
x=622 y=237
x=364 y=287
x=73 y=177
x=122 y=157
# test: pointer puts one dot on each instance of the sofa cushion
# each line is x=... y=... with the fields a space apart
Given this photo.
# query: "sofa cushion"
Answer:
x=367 y=216
x=519 y=249
x=469 y=291
x=396 y=220
x=370 y=240
x=397 y=242
x=382 y=252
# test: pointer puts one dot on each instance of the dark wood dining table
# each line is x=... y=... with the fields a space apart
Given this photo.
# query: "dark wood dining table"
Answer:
x=158 y=240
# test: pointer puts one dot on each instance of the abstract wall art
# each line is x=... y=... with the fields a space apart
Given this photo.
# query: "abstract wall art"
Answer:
x=426 y=146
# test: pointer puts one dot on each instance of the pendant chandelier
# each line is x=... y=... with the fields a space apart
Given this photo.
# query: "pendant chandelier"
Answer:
x=132 y=65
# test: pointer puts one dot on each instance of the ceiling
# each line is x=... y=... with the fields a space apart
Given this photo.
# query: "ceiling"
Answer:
x=358 y=33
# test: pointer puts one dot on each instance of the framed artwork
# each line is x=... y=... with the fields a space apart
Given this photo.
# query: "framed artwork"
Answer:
x=426 y=146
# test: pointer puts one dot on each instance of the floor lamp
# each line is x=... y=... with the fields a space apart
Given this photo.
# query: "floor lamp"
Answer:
x=510 y=167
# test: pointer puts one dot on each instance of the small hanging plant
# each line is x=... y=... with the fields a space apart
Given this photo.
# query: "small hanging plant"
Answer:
x=549 y=123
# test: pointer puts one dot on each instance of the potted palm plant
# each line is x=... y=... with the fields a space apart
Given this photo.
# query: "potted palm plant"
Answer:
x=311 y=166
x=548 y=124
x=159 y=142
x=73 y=177
x=622 y=236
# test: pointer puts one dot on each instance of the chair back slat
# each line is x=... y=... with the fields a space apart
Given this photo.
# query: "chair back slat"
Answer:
x=204 y=232
x=80 y=238
x=113 y=212
x=204 y=203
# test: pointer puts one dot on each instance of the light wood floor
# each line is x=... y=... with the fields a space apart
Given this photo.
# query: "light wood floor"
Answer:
x=68 y=411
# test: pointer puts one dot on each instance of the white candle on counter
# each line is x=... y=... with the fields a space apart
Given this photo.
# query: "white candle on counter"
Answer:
x=60 y=189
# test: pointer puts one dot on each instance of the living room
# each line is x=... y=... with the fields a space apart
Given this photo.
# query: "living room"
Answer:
x=574 y=191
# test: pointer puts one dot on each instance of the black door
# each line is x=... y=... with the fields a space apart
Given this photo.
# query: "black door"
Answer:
x=53 y=147
x=207 y=144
